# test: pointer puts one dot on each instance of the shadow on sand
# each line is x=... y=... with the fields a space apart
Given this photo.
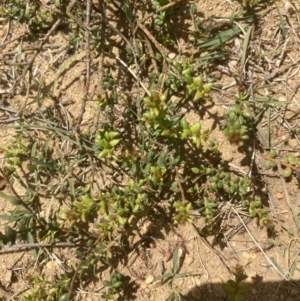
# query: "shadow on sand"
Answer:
x=259 y=291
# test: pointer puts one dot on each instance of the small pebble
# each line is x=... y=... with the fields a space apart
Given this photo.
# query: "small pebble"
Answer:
x=279 y=195
x=281 y=98
x=149 y=279
x=180 y=252
x=198 y=281
x=171 y=55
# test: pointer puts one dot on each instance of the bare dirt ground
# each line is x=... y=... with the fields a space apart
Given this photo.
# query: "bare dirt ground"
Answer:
x=208 y=260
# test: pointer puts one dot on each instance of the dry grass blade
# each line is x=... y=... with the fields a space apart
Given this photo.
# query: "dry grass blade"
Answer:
x=279 y=271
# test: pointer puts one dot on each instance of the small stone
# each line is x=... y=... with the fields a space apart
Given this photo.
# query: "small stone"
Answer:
x=149 y=279
x=191 y=39
x=198 y=281
x=180 y=252
x=254 y=291
x=171 y=55
x=279 y=195
x=281 y=98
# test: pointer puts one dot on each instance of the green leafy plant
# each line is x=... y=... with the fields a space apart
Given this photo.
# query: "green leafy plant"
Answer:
x=114 y=286
x=239 y=122
x=290 y=163
x=107 y=140
x=162 y=22
x=236 y=289
x=46 y=289
x=140 y=153
x=168 y=278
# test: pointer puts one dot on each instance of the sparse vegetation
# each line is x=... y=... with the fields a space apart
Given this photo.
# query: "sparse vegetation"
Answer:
x=91 y=182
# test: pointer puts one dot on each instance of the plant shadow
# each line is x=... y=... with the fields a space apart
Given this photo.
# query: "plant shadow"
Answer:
x=259 y=290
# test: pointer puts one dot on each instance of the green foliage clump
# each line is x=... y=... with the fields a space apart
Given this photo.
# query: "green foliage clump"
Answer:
x=290 y=163
x=239 y=122
x=29 y=12
x=162 y=22
x=46 y=289
x=114 y=285
x=236 y=289
x=149 y=155
x=107 y=140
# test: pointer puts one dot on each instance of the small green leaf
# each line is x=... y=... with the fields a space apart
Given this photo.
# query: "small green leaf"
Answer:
x=229 y=290
x=211 y=205
x=120 y=220
x=114 y=142
x=195 y=170
x=106 y=283
x=195 y=128
x=13 y=200
x=198 y=95
x=175 y=260
x=117 y=284
x=164 y=276
x=287 y=172
x=277 y=266
x=171 y=297
x=104 y=153
x=161 y=161
x=64 y=297
x=113 y=134
x=296 y=219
